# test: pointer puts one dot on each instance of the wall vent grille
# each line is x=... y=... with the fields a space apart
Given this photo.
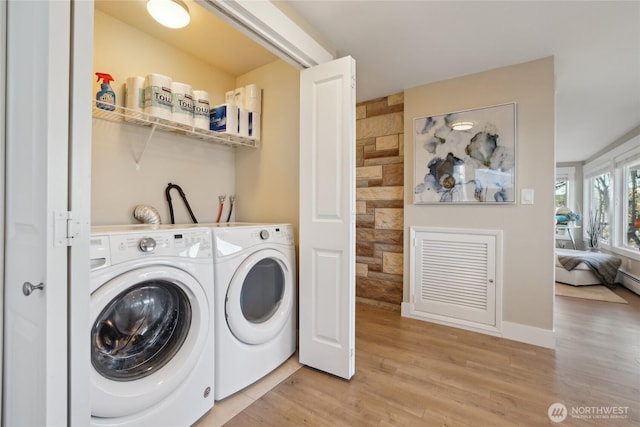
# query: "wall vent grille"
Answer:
x=454 y=274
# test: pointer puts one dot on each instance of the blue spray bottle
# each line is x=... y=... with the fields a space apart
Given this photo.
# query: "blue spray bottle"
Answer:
x=106 y=97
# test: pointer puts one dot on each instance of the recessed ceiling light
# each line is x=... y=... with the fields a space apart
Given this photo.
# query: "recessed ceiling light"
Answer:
x=170 y=13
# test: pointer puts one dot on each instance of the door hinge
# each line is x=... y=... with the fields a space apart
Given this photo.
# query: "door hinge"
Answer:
x=65 y=228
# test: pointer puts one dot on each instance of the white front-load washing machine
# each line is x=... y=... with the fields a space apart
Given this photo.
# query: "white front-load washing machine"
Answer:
x=255 y=302
x=152 y=321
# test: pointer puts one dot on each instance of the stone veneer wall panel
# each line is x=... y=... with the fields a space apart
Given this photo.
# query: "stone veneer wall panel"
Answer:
x=380 y=199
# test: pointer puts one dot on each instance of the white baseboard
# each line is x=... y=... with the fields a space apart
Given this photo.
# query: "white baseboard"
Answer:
x=509 y=330
x=449 y=321
x=630 y=281
x=529 y=334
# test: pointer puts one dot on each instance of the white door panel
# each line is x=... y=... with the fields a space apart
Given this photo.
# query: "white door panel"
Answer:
x=80 y=205
x=37 y=99
x=3 y=72
x=327 y=209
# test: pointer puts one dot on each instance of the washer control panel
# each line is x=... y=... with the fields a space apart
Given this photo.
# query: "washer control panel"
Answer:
x=147 y=244
x=112 y=248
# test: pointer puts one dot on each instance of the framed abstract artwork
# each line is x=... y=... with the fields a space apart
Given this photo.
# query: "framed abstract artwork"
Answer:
x=466 y=157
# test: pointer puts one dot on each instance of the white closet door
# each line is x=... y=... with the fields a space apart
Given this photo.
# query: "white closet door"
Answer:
x=36 y=142
x=80 y=204
x=327 y=217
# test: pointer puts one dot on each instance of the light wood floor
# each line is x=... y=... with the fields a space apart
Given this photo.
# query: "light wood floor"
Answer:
x=410 y=372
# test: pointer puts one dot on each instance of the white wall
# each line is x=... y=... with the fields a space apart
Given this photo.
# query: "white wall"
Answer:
x=267 y=179
x=528 y=229
x=204 y=170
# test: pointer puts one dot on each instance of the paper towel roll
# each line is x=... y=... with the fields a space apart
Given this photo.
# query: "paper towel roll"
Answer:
x=134 y=93
x=243 y=122
x=182 y=95
x=158 y=101
x=228 y=97
x=252 y=98
x=201 y=109
x=134 y=97
x=251 y=91
x=238 y=97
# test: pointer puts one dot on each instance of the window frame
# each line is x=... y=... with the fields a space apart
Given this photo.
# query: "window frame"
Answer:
x=616 y=162
x=569 y=173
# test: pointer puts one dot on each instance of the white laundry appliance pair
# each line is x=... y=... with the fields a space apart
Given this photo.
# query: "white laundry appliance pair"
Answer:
x=152 y=326
x=185 y=314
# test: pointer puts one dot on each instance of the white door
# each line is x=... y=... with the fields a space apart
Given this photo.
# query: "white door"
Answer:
x=36 y=139
x=3 y=72
x=80 y=206
x=327 y=217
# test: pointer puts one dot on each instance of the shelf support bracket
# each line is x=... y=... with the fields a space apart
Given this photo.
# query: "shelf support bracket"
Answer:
x=146 y=144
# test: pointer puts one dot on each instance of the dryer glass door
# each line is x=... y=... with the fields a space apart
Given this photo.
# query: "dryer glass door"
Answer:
x=140 y=330
x=260 y=297
x=262 y=291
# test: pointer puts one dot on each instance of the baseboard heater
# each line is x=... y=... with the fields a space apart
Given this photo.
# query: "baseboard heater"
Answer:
x=630 y=281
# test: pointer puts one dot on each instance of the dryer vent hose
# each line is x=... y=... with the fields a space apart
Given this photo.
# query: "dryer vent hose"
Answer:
x=146 y=214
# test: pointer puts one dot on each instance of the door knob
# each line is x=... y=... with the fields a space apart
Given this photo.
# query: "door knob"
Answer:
x=28 y=288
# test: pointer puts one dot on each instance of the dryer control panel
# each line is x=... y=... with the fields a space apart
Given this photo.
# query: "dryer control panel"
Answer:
x=230 y=240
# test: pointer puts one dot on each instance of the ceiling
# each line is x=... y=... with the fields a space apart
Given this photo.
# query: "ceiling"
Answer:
x=402 y=44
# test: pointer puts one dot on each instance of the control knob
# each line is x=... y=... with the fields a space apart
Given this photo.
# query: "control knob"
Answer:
x=147 y=244
x=264 y=234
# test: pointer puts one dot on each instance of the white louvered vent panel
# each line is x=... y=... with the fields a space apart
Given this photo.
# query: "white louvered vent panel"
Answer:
x=454 y=273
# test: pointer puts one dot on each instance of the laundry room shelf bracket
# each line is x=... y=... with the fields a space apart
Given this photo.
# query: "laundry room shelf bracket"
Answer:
x=138 y=158
x=133 y=117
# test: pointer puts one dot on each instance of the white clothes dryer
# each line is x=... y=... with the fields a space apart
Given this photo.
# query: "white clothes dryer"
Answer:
x=255 y=302
x=152 y=343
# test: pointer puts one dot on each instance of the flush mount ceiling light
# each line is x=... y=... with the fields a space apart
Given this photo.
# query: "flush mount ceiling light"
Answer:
x=170 y=13
x=461 y=125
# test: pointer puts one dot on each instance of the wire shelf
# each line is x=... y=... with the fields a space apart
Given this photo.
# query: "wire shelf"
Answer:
x=126 y=115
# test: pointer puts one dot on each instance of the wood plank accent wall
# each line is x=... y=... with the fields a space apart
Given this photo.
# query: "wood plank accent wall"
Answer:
x=380 y=200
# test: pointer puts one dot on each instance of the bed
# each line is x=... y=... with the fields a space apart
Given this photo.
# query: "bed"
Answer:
x=581 y=268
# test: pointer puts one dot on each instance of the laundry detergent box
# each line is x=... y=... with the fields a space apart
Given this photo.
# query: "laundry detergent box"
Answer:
x=253 y=131
x=225 y=118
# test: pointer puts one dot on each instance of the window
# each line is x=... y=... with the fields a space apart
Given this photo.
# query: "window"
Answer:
x=632 y=216
x=612 y=192
x=561 y=192
x=601 y=191
x=565 y=184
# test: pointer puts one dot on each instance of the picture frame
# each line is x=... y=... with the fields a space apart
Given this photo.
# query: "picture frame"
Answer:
x=466 y=157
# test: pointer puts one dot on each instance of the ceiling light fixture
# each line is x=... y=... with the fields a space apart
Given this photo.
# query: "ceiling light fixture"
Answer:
x=461 y=125
x=170 y=13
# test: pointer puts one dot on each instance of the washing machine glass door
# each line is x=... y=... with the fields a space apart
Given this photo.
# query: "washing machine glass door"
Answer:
x=149 y=328
x=140 y=330
x=260 y=297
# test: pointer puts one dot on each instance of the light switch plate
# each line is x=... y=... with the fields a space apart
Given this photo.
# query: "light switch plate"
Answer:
x=526 y=196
